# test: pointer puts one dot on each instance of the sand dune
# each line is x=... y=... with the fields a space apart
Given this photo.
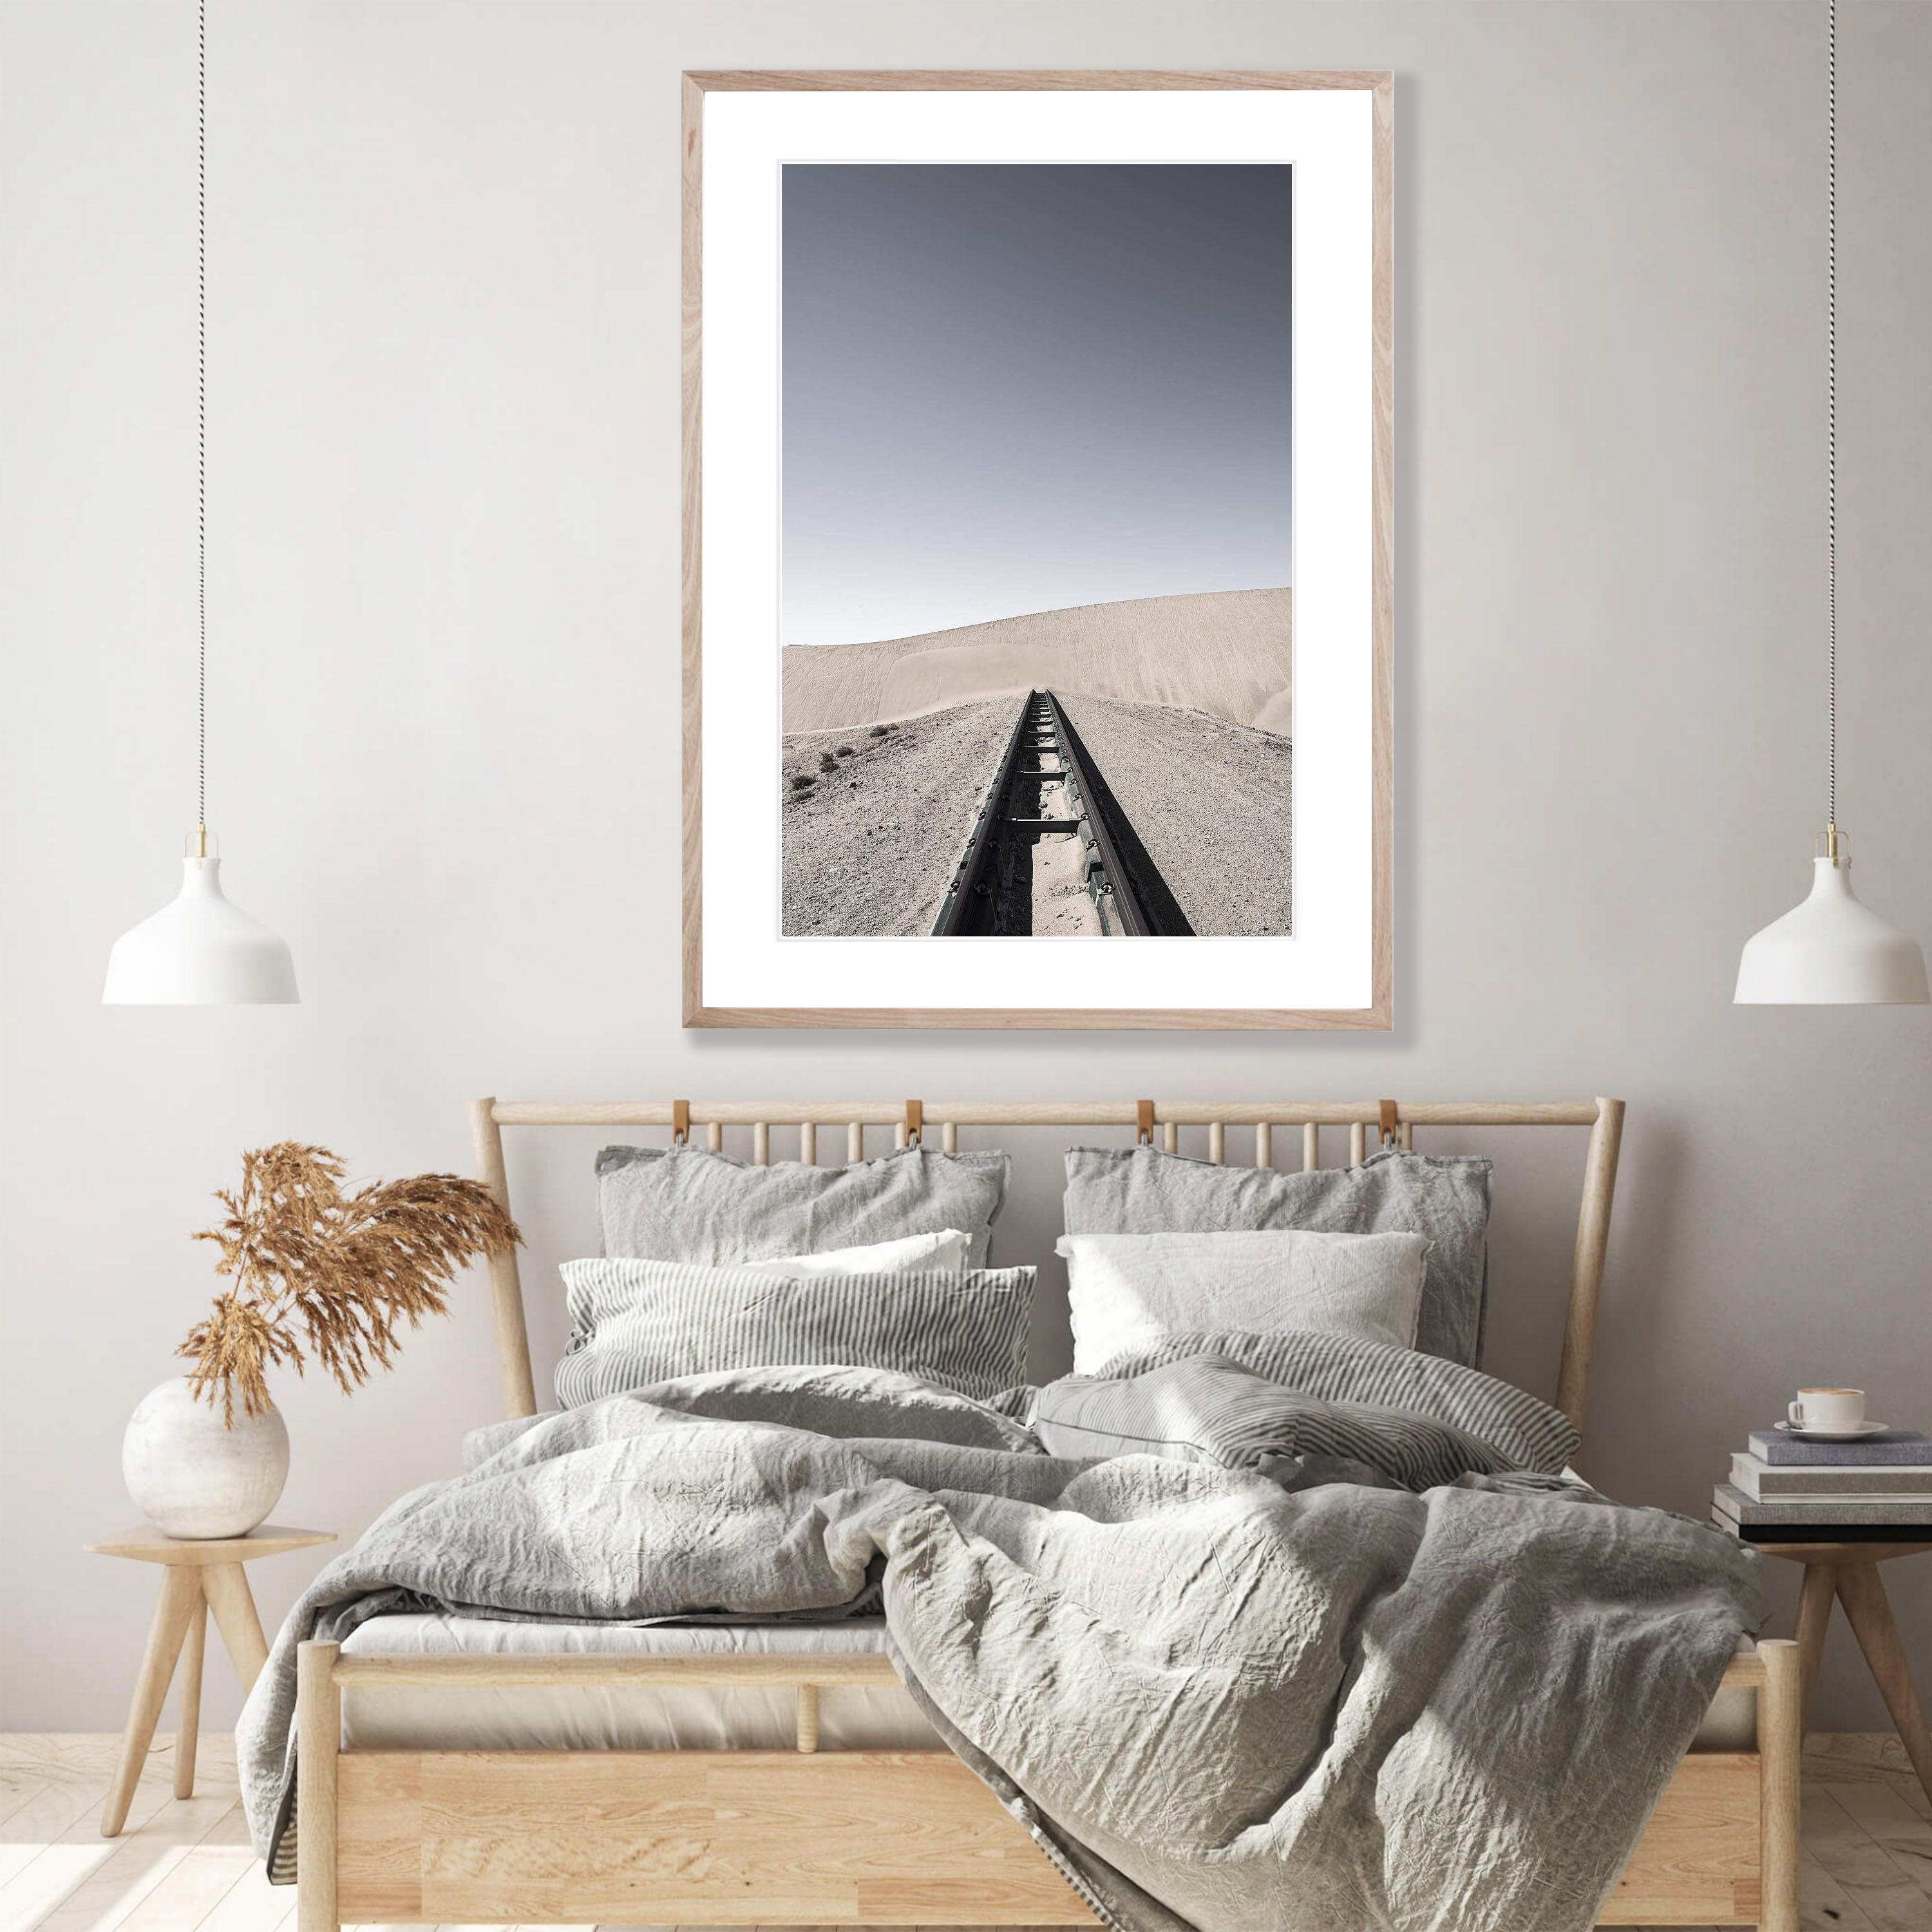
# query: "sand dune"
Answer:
x=1224 y=651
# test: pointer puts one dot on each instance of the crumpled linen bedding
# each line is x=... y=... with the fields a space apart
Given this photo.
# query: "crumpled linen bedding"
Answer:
x=1217 y=1698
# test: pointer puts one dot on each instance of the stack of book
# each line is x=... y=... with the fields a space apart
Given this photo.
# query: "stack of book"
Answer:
x=1785 y=1489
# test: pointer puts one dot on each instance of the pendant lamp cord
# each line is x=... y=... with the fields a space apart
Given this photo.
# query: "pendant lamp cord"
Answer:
x=1831 y=409
x=201 y=414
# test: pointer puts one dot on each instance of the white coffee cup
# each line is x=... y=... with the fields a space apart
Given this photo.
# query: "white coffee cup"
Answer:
x=1830 y=1411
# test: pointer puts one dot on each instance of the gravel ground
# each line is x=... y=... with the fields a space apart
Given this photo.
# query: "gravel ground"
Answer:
x=870 y=846
x=1209 y=801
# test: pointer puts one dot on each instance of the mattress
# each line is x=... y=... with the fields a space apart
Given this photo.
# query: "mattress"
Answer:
x=633 y=1717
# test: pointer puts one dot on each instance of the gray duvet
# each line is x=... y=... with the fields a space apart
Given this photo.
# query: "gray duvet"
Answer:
x=1216 y=1698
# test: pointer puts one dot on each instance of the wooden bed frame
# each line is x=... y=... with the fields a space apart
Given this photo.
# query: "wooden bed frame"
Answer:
x=749 y=1837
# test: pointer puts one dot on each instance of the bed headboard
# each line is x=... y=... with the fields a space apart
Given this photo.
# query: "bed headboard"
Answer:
x=1393 y=1122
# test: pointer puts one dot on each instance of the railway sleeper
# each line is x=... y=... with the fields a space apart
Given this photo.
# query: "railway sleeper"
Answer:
x=991 y=881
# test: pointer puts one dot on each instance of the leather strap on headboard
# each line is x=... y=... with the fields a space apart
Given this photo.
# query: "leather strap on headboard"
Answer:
x=680 y=1121
x=915 y=1121
x=1388 y=1111
x=1143 y=1129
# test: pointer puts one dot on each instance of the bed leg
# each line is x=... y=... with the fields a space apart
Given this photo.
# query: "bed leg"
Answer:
x=1780 y=1746
x=318 y=1738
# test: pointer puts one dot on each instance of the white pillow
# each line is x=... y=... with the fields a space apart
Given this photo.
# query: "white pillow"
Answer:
x=943 y=1252
x=1128 y=1290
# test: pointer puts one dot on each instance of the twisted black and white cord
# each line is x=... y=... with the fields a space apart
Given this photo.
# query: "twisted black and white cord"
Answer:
x=1831 y=406
x=201 y=415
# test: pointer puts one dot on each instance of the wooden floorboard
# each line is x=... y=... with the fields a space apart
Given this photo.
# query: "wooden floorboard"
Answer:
x=1880 y=1811
x=1823 y=1903
x=185 y=1865
x=1871 y=1877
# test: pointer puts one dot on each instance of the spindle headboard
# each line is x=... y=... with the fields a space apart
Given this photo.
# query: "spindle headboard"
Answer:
x=1393 y=1122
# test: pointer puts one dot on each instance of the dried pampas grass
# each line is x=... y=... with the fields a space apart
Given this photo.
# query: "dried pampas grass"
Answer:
x=338 y=1272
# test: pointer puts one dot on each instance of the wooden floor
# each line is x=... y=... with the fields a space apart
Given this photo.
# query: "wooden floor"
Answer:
x=185 y=1865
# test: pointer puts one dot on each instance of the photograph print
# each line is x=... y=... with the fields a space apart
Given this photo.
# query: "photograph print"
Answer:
x=1038 y=547
x=1037 y=577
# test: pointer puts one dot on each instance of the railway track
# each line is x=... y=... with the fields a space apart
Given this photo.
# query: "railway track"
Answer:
x=1051 y=852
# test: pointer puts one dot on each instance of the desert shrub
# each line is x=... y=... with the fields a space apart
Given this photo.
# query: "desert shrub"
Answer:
x=827 y=762
x=845 y=751
x=877 y=731
x=802 y=781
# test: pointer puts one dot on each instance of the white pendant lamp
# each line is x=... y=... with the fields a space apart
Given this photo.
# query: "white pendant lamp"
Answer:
x=200 y=950
x=1832 y=951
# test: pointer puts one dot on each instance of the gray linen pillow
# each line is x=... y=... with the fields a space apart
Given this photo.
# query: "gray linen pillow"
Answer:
x=1124 y=1290
x=686 y=1203
x=1143 y=1191
x=634 y=1323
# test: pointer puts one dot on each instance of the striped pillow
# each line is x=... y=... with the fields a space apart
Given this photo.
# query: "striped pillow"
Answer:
x=636 y=1322
x=1524 y=1432
x=1206 y=1409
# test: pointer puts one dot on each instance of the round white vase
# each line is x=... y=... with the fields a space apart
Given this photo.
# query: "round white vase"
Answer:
x=192 y=1476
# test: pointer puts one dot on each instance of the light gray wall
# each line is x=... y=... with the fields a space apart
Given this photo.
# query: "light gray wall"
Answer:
x=443 y=599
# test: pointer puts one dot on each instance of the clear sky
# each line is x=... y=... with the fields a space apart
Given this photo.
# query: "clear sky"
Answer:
x=1010 y=389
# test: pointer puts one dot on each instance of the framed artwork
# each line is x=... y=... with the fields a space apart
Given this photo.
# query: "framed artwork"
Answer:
x=1038 y=583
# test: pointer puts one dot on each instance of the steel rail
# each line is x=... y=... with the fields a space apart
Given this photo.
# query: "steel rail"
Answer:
x=1115 y=892
x=958 y=902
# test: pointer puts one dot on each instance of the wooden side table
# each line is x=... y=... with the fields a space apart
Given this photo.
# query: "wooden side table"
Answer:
x=198 y=1577
x=1846 y=1572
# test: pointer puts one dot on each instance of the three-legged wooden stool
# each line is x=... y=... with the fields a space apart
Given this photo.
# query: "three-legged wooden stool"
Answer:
x=1847 y=1573
x=199 y=1577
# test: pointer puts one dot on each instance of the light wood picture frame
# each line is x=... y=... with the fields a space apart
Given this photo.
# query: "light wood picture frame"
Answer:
x=1047 y=848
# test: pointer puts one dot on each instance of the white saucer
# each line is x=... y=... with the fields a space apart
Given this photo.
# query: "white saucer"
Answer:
x=1853 y=1435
